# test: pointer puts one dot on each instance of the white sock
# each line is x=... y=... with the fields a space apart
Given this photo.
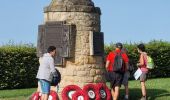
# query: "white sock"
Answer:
x=126 y=96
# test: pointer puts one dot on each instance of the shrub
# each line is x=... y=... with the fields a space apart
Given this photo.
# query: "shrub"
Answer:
x=19 y=64
x=18 y=67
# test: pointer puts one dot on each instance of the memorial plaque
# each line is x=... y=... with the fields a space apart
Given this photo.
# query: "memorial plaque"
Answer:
x=96 y=43
x=68 y=41
x=59 y=35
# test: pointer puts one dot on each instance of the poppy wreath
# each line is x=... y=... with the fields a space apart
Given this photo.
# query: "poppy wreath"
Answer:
x=91 y=91
x=103 y=91
x=68 y=91
x=53 y=96
x=80 y=95
x=35 y=96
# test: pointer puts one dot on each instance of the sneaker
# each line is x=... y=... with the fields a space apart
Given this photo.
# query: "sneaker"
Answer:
x=125 y=99
x=143 y=98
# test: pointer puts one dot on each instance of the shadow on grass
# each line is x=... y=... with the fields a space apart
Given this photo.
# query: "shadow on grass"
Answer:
x=152 y=94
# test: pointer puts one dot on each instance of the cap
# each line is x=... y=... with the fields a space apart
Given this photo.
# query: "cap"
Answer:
x=119 y=45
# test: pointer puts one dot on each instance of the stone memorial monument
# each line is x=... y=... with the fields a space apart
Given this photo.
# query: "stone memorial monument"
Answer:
x=73 y=26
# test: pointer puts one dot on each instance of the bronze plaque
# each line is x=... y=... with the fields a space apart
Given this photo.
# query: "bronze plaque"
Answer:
x=97 y=43
x=59 y=35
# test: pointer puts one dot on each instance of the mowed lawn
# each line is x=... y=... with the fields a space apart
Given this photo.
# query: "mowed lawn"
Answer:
x=158 y=89
x=17 y=94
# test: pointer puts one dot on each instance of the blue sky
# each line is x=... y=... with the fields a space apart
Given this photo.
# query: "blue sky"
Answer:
x=121 y=20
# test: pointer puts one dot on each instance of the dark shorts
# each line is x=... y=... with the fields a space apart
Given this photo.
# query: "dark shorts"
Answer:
x=115 y=79
x=126 y=76
x=143 y=77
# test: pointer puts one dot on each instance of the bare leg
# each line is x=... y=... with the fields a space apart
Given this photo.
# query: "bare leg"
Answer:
x=126 y=90
x=116 y=94
x=44 y=96
x=143 y=87
x=39 y=87
x=112 y=92
x=53 y=88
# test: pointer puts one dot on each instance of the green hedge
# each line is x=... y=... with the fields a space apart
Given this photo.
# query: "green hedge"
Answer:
x=18 y=67
x=19 y=64
x=158 y=50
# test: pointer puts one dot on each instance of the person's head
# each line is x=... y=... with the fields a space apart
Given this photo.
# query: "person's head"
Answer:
x=52 y=50
x=119 y=45
x=141 y=47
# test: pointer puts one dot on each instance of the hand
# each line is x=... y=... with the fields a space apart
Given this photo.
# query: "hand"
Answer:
x=137 y=64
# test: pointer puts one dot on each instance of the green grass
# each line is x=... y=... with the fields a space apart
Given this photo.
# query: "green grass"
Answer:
x=17 y=94
x=157 y=89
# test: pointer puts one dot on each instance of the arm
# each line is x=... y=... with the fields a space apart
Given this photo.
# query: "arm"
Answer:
x=126 y=66
x=126 y=60
x=141 y=61
x=107 y=64
x=40 y=60
x=108 y=60
x=52 y=67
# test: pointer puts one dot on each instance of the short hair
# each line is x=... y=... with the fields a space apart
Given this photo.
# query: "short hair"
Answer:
x=119 y=45
x=141 y=47
x=51 y=49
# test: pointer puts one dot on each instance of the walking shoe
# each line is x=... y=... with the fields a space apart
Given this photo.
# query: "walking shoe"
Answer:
x=125 y=99
x=143 y=98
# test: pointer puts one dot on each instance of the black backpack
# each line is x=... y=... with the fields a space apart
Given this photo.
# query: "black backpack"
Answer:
x=118 y=63
x=130 y=66
x=58 y=78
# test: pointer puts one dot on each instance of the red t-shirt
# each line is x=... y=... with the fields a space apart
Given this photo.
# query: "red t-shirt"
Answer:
x=111 y=57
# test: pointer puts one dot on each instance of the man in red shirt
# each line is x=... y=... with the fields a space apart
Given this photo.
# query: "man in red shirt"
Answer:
x=116 y=77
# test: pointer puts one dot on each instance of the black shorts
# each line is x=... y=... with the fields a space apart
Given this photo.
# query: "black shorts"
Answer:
x=115 y=79
x=126 y=76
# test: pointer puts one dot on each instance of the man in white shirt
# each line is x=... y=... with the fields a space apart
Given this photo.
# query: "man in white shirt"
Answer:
x=46 y=72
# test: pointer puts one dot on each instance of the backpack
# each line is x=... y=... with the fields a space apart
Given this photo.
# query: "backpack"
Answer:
x=150 y=63
x=130 y=66
x=56 y=80
x=118 y=62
